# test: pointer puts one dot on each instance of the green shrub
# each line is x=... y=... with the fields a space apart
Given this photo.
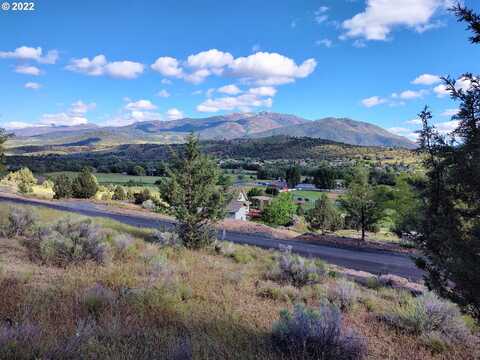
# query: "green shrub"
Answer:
x=296 y=270
x=23 y=179
x=20 y=222
x=274 y=291
x=141 y=197
x=429 y=314
x=343 y=293
x=97 y=299
x=280 y=211
x=69 y=242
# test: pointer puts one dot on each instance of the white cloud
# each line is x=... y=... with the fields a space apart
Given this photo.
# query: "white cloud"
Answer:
x=30 y=53
x=229 y=89
x=426 y=79
x=379 y=18
x=410 y=94
x=99 y=65
x=14 y=125
x=124 y=69
x=27 y=70
x=447 y=127
x=32 y=85
x=450 y=112
x=373 y=101
x=263 y=91
x=140 y=105
x=174 y=114
x=243 y=103
x=163 y=93
x=168 y=66
x=166 y=82
x=441 y=90
x=198 y=76
x=75 y=115
x=324 y=42
x=271 y=68
x=212 y=58
x=79 y=107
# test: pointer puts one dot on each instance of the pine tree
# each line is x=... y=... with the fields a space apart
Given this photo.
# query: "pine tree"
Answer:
x=192 y=193
x=324 y=216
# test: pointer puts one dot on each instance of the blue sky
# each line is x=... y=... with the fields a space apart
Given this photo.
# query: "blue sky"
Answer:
x=115 y=62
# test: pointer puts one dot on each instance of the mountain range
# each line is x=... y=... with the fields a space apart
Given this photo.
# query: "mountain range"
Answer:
x=223 y=127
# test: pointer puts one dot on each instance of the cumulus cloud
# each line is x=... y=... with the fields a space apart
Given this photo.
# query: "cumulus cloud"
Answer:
x=15 y=125
x=75 y=115
x=167 y=66
x=263 y=91
x=229 y=89
x=373 y=101
x=166 y=82
x=244 y=102
x=28 y=70
x=174 y=114
x=212 y=58
x=163 y=93
x=197 y=76
x=32 y=85
x=441 y=90
x=30 y=53
x=426 y=79
x=271 y=68
x=379 y=18
x=99 y=65
x=140 y=105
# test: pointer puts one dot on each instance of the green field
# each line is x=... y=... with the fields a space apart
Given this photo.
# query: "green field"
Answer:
x=117 y=179
x=312 y=196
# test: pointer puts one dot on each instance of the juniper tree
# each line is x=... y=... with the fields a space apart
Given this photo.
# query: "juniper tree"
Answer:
x=191 y=190
x=449 y=235
x=324 y=216
x=85 y=185
x=3 y=138
x=360 y=203
x=293 y=176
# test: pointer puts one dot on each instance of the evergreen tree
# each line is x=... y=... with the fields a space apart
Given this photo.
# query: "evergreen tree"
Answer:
x=85 y=185
x=361 y=205
x=324 y=216
x=62 y=187
x=192 y=193
x=293 y=176
x=449 y=235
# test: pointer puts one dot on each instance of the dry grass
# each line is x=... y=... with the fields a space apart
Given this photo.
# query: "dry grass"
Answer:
x=210 y=299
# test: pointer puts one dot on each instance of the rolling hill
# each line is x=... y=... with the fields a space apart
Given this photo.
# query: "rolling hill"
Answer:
x=224 y=127
x=342 y=130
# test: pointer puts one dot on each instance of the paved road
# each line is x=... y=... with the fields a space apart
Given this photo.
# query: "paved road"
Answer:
x=366 y=260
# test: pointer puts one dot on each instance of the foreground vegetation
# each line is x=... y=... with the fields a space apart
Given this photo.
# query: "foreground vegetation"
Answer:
x=146 y=296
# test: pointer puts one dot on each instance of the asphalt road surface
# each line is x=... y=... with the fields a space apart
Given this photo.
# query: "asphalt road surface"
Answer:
x=373 y=261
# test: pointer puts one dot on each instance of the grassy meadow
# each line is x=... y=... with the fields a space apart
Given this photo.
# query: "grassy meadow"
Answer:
x=153 y=301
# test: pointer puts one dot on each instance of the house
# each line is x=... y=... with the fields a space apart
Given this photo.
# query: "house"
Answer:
x=239 y=207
